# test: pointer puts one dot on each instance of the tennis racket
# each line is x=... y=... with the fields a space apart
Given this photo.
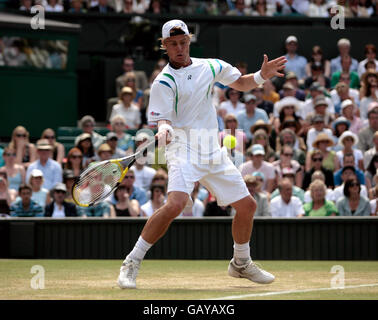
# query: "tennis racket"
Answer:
x=100 y=180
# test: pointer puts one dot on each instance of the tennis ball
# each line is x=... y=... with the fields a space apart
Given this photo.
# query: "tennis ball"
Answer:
x=229 y=142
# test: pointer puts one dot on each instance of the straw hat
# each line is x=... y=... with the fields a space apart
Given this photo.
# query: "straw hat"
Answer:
x=322 y=137
x=127 y=90
x=261 y=124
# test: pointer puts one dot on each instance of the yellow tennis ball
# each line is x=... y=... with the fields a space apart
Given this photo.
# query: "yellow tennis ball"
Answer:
x=229 y=142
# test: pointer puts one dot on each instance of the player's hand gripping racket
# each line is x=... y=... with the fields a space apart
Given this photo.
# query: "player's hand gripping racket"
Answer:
x=101 y=179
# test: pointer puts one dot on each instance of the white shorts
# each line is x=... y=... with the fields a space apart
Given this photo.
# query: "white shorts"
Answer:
x=224 y=181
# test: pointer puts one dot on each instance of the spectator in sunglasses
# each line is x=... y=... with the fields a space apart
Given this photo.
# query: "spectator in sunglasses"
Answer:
x=353 y=203
x=58 y=148
x=15 y=172
x=26 y=152
x=75 y=161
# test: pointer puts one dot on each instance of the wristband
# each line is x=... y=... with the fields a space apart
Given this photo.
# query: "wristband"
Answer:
x=258 y=78
x=166 y=126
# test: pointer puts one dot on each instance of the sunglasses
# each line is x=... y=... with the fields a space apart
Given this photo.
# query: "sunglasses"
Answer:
x=49 y=137
x=354 y=184
x=76 y=156
x=317 y=159
x=10 y=154
x=288 y=154
x=129 y=177
x=60 y=191
x=21 y=135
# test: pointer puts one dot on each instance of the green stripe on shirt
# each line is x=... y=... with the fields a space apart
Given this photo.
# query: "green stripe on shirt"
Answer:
x=173 y=79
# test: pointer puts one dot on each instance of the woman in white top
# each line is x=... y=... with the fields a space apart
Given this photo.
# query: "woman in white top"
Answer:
x=232 y=104
x=157 y=200
x=127 y=109
x=347 y=141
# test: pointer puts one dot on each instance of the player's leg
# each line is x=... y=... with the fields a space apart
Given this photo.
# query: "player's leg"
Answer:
x=242 y=266
x=156 y=226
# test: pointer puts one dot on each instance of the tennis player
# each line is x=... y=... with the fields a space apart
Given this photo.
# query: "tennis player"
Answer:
x=181 y=105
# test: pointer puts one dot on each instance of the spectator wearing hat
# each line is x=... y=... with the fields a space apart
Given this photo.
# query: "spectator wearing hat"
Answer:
x=130 y=81
x=320 y=108
x=348 y=172
x=39 y=194
x=286 y=161
x=354 y=79
x=368 y=92
x=318 y=127
x=323 y=142
x=319 y=175
x=365 y=136
x=112 y=141
x=348 y=111
x=26 y=207
x=52 y=171
x=250 y=115
x=352 y=202
x=319 y=206
x=125 y=140
x=289 y=173
x=231 y=127
x=292 y=81
x=349 y=161
x=257 y=163
x=317 y=59
x=368 y=155
x=87 y=124
x=308 y=106
x=253 y=184
x=316 y=164
x=348 y=140
x=286 y=204
x=295 y=62
x=59 y=208
x=261 y=136
x=69 y=178
x=343 y=45
x=104 y=152
x=84 y=143
x=233 y=104
x=371 y=55
x=127 y=109
x=287 y=107
x=340 y=125
x=265 y=105
x=342 y=92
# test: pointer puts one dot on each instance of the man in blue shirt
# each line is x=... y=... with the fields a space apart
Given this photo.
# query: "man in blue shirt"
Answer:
x=344 y=48
x=248 y=118
x=295 y=62
x=26 y=207
x=52 y=171
x=348 y=161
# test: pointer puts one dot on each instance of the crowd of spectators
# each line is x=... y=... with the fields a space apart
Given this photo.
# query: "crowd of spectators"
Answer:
x=310 y=8
x=306 y=145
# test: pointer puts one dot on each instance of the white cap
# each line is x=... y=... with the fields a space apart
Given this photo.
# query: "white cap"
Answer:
x=36 y=173
x=291 y=38
x=346 y=103
x=168 y=26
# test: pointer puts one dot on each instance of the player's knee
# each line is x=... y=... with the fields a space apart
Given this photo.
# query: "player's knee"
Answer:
x=174 y=207
x=248 y=208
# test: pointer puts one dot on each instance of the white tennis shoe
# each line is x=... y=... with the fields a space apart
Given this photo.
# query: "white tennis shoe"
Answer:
x=251 y=272
x=128 y=273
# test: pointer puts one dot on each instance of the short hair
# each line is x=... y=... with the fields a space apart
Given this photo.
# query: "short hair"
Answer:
x=317 y=183
x=156 y=186
x=119 y=118
x=316 y=174
x=283 y=181
x=347 y=185
x=85 y=119
x=370 y=47
x=24 y=187
x=348 y=155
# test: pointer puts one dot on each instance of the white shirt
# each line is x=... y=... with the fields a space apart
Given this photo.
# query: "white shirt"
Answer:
x=353 y=93
x=58 y=213
x=131 y=114
x=143 y=178
x=373 y=205
x=183 y=96
x=329 y=196
x=279 y=208
x=339 y=192
x=266 y=168
x=357 y=156
x=312 y=134
x=361 y=67
x=230 y=109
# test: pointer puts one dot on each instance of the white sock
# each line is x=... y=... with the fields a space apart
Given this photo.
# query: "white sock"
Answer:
x=140 y=249
x=242 y=253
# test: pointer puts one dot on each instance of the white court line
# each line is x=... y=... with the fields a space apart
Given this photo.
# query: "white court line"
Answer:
x=274 y=293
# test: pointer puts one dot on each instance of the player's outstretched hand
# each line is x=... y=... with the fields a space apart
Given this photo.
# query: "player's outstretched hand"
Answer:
x=272 y=68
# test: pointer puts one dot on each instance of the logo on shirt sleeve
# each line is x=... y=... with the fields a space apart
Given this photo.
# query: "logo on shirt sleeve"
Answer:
x=153 y=113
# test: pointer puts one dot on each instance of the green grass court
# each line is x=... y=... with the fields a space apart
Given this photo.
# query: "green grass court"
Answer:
x=186 y=279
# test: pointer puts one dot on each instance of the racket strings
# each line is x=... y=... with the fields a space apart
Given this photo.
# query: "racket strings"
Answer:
x=97 y=183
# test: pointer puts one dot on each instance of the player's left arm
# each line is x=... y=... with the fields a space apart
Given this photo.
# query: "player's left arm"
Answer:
x=268 y=70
